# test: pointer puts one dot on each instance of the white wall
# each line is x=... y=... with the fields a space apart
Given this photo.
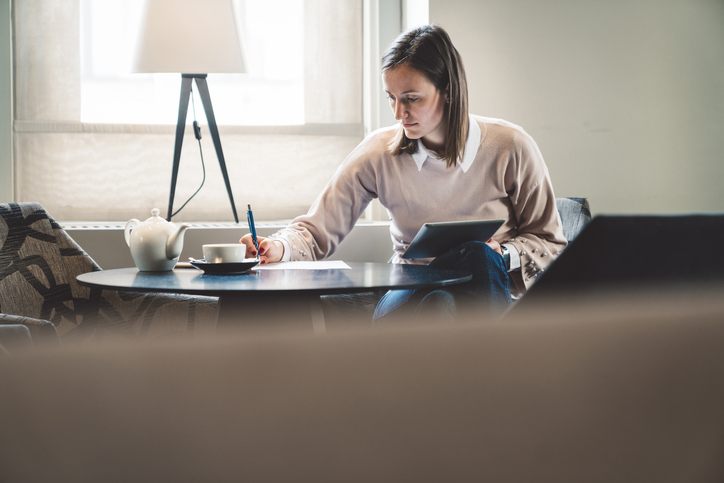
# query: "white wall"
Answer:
x=367 y=242
x=625 y=98
x=6 y=105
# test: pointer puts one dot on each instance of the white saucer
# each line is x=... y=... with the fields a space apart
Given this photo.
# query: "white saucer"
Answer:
x=225 y=268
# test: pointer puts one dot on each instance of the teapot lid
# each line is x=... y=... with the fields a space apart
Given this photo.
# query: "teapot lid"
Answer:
x=155 y=218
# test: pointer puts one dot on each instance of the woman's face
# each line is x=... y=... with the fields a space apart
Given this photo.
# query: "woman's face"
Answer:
x=417 y=104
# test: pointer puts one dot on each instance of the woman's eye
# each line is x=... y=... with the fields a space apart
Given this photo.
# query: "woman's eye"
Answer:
x=412 y=99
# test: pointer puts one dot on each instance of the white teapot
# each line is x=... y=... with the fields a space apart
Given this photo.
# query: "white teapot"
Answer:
x=156 y=243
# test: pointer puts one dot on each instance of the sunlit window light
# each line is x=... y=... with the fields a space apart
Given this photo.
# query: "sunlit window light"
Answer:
x=270 y=94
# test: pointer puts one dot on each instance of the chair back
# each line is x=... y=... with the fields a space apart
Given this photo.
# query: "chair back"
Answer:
x=575 y=214
x=39 y=263
x=38 y=266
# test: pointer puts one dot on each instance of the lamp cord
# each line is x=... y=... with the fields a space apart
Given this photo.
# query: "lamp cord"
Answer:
x=197 y=134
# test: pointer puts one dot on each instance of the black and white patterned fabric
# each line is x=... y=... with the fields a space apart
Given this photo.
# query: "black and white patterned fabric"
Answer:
x=39 y=262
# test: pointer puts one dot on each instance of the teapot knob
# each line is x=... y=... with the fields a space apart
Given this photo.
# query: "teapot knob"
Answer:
x=155 y=212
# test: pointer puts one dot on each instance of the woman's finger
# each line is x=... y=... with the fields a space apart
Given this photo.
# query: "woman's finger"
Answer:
x=250 y=248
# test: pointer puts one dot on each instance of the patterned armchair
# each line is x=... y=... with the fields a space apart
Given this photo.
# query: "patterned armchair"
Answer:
x=38 y=265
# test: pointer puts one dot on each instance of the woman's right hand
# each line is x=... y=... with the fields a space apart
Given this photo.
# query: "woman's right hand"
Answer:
x=270 y=251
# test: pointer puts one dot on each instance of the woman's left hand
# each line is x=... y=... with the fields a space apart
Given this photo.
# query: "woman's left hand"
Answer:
x=495 y=246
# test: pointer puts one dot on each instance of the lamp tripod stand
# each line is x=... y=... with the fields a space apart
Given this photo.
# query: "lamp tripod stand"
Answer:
x=183 y=107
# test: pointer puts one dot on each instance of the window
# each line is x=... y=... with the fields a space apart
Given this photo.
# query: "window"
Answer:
x=272 y=93
x=112 y=163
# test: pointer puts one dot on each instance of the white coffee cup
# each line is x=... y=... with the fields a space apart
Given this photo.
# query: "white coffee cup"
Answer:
x=224 y=252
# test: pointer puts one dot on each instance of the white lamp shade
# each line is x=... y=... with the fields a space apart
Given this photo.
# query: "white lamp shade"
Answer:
x=189 y=37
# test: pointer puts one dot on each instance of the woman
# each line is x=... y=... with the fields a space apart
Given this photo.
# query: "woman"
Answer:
x=438 y=164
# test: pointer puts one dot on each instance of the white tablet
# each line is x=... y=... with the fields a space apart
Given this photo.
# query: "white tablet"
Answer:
x=434 y=239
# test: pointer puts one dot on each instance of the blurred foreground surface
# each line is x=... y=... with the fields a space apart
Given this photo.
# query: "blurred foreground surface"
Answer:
x=616 y=385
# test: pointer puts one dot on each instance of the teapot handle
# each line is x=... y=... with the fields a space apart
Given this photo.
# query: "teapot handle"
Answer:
x=127 y=231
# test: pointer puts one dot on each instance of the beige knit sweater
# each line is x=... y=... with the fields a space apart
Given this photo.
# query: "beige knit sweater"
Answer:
x=506 y=178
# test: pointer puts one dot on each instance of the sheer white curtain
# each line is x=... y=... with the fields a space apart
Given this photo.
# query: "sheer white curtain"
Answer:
x=97 y=172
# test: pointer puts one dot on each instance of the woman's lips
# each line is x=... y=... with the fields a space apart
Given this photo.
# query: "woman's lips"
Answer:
x=407 y=126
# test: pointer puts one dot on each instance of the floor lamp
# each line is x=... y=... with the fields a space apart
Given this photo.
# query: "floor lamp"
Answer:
x=193 y=38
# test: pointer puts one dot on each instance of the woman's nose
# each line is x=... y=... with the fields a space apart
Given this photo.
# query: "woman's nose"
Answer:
x=399 y=111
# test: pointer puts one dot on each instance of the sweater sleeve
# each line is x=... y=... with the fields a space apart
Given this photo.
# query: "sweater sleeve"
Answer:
x=539 y=233
x=316 y=235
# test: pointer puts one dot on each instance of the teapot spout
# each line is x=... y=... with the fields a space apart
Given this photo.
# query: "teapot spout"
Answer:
x=175 y=242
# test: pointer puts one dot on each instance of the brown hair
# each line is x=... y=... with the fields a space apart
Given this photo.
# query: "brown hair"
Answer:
x=430 y=51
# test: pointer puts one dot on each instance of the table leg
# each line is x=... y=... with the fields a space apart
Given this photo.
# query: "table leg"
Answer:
x=265 y=313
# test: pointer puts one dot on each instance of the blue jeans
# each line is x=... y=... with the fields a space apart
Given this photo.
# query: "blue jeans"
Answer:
x=486 y=296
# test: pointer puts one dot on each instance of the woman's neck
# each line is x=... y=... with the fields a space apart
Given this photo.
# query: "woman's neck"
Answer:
x=434 y=142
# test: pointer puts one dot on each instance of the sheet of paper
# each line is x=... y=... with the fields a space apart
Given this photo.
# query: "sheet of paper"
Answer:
x=318 y=265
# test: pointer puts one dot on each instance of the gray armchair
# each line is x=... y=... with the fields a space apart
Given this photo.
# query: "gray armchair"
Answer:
x=38 y=265
x=575 y=214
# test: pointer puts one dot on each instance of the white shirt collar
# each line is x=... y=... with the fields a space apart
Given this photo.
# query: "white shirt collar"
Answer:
x=471 y=148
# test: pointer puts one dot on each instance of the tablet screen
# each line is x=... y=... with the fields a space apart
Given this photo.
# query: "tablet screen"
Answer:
x=434 y=239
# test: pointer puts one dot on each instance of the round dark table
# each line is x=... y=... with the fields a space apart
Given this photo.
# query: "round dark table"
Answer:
x=253 y=298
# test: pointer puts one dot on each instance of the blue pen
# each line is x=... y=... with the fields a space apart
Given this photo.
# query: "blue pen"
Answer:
x=250 y=220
